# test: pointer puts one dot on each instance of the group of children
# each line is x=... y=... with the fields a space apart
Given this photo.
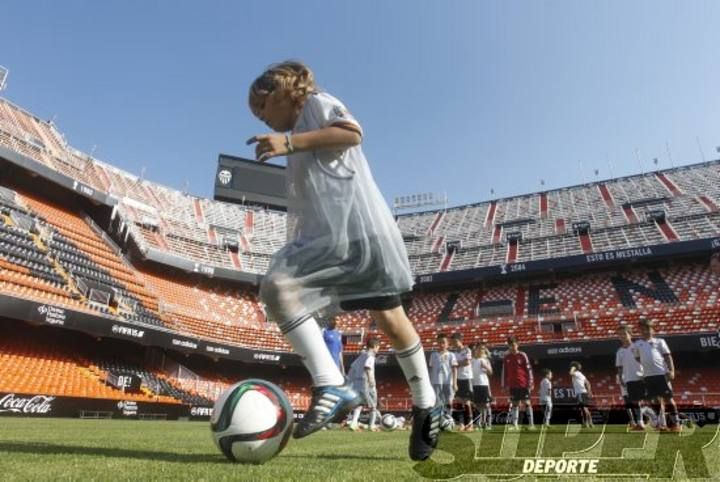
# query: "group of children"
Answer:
x=645 y=370
x=462 y=373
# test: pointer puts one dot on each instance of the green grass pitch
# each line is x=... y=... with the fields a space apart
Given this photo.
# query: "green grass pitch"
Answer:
x=67 y=449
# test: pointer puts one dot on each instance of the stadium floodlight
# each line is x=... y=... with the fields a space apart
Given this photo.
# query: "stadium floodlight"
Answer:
x=3 y=77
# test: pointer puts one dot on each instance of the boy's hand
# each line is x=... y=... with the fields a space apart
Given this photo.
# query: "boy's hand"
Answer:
x=268 y=146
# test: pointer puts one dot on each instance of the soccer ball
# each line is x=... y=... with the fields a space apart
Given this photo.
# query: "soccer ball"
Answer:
x=447 y=423
x=251 y=421
x=388 y=422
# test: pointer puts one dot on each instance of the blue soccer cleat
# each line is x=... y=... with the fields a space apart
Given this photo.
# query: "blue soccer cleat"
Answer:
x=425 y=432
x=329 y=404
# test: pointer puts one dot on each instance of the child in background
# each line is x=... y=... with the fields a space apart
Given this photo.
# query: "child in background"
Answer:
x=362 y=376
x=333 y=341
x=482 y=371
x=464 y=393
x=443 y=373
x=583 y=392
x=518 y=381
x=658 y=370
x=630 y=374
x=344 y=250
x=546 y=396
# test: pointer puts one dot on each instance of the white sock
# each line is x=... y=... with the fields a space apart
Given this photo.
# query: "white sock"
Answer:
x=488 y=415
x=531 y=416
x=305 y=337
x=413 y=364
x=356 y=415
x=373 y=416
x=640 y=419
x=515 y=415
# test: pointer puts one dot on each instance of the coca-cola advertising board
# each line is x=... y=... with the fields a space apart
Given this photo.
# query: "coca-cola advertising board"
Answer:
x=43 y=405
x=26 y=404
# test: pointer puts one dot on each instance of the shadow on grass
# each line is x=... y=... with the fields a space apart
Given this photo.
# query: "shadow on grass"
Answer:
x=35 y=448
x=320 y=455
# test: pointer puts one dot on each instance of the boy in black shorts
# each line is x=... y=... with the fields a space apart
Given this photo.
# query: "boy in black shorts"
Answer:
x=518 y=380
x=658 y=371
x=630 y=377
x=464 y=393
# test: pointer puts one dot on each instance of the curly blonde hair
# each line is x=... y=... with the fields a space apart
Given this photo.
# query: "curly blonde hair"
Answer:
x=291 y=78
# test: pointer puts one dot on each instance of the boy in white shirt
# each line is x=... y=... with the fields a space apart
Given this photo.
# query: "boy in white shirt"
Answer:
x=482 y=371
x=464 y=394
x=443 y=373
x=583 y=392
x=546 y=396
x=658 y=371
x=362 y=377
x=630 y=378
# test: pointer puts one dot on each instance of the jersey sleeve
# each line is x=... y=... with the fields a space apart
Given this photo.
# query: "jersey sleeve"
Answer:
x=618 y=359
x=453 y=360
x=503 y=376
x=663 y=348
x=370 y=362
x=528 y=367
x=431 y=362
x=328 y=111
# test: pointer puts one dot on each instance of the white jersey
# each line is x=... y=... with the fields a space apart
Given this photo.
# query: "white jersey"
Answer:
x=578 y=381
x=441 y=365
x=651 y=353
x=363 y=366
x=480 y=369
x=342 y=240
x=632 y=371
x=545 y=390
x=464 y=372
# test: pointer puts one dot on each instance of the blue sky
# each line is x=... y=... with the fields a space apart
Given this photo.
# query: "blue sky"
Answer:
x=455 y=96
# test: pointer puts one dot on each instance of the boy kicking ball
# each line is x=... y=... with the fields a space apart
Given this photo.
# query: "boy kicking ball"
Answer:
x=344 y=250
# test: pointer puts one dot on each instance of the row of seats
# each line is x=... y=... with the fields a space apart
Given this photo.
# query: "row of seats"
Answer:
x=160 y=385
x=37 y=366
x=586 y=307
x=86 y=257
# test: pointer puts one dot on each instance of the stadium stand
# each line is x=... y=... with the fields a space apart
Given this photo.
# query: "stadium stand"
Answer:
x=158 y=384
x=616 y=210
x=56 y=253
x=41 y=365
